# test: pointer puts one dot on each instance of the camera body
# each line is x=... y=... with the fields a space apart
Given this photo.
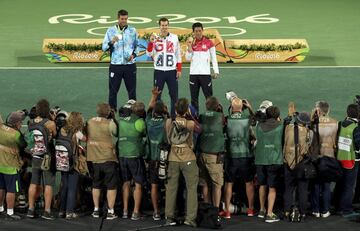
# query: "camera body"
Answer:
x=231 y=95
x=357 y=99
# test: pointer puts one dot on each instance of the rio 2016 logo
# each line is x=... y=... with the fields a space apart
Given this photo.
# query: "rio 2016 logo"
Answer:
x=173 y=18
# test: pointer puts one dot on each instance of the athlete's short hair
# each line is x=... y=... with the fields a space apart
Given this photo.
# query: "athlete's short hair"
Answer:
x=197 y=24
x=122 y=12
x=163 y=20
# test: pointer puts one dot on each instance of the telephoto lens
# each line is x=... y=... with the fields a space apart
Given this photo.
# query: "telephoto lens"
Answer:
x=230 y=95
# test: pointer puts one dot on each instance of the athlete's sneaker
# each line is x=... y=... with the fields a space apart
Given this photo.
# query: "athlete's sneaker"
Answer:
x=272 y=218
x=262 y=214
x=225 y=214
x=316 y=214
x=325 y=215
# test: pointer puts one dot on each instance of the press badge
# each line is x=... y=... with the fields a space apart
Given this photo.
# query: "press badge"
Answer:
x=344 y=143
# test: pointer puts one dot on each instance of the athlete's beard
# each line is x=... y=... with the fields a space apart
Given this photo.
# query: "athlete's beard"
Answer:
x=164 y=32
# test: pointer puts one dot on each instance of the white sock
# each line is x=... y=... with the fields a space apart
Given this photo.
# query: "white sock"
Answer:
x=110 y=210
x=96 y=209
x=10 y=211
x=2 y=209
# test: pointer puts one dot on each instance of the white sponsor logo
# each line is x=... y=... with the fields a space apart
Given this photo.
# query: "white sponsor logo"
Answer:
x=79 y=55
x=267 y=56
x=173 y=18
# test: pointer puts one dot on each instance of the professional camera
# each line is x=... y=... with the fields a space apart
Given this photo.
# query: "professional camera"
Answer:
x=126 y=110
x=31 y=114
x=55 y=110
x=60 y=119
x=230 y=96
x=357 y=99
x=260 y=114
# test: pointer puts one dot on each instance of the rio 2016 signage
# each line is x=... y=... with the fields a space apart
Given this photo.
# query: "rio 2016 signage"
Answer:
x=173 y=18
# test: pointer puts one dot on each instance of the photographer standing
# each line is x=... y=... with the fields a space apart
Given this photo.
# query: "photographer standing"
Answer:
x=131 y=150
x=348 y=147
x=297 y=140
x=43 y=129
x=101 y=151
x=239 y=161
x=12 y=144
x=155 y=125
x=327 y=131
x=212 y=145
x=122 y=41
x=200 y=52
x=71 y=130
x=269 y=160
x=182 y=160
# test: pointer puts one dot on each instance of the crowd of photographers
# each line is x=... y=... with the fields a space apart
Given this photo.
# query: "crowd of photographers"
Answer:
x=308 y=160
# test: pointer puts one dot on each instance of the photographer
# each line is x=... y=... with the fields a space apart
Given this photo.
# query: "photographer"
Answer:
x=260 y=114
x=348 y=146
x=269 y=160
x=43 y=170
x=239 y=162
x=182 y=160
x=12 y=143
x=326 y=128
x=297 y=141
x=131 y=150
x=71 y=130
x=212 y=145
x=155 y=125
x=101 y=152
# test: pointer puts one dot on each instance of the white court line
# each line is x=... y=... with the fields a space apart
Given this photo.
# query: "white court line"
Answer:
x=186 y=67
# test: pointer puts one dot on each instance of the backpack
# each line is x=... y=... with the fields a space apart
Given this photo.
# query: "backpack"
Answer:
x=305 y=169
x=329 y=169
x=37 y=138
x=64 y=152
x=178 y=134
x=208 y=216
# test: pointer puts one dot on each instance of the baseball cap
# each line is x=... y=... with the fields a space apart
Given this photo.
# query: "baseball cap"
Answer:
x=129 y=103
